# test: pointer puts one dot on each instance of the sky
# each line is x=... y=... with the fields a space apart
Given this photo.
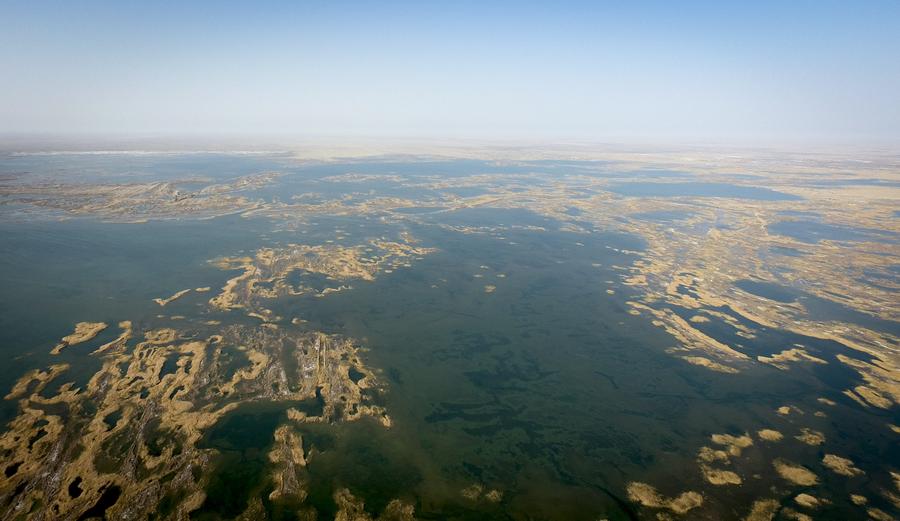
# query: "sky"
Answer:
x=716 y=71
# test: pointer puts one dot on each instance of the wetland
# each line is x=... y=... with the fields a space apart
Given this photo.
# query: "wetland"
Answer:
x=263 y=336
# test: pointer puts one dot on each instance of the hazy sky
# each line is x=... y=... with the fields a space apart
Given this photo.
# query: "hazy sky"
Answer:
x=791 y=70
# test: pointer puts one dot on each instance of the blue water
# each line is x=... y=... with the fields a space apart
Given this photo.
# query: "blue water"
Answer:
x=699 y=189
x=812 y=232
x=817 y=307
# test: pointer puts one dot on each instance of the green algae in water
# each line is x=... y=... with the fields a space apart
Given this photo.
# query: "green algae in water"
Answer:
x=242 y=439
x=546 y=389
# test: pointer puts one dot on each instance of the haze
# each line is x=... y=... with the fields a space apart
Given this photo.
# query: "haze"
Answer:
x=770 y=71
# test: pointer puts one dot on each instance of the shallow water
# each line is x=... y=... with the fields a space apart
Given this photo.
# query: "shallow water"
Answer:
x=815 y=231
x=700 y=189
x=545 y=388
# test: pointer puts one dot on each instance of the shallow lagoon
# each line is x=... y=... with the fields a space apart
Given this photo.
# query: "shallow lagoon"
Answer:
x=699 y=189
x=545 y=388
x=816 y=231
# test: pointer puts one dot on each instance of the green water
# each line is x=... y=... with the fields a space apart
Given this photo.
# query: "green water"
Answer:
x=546 y=389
